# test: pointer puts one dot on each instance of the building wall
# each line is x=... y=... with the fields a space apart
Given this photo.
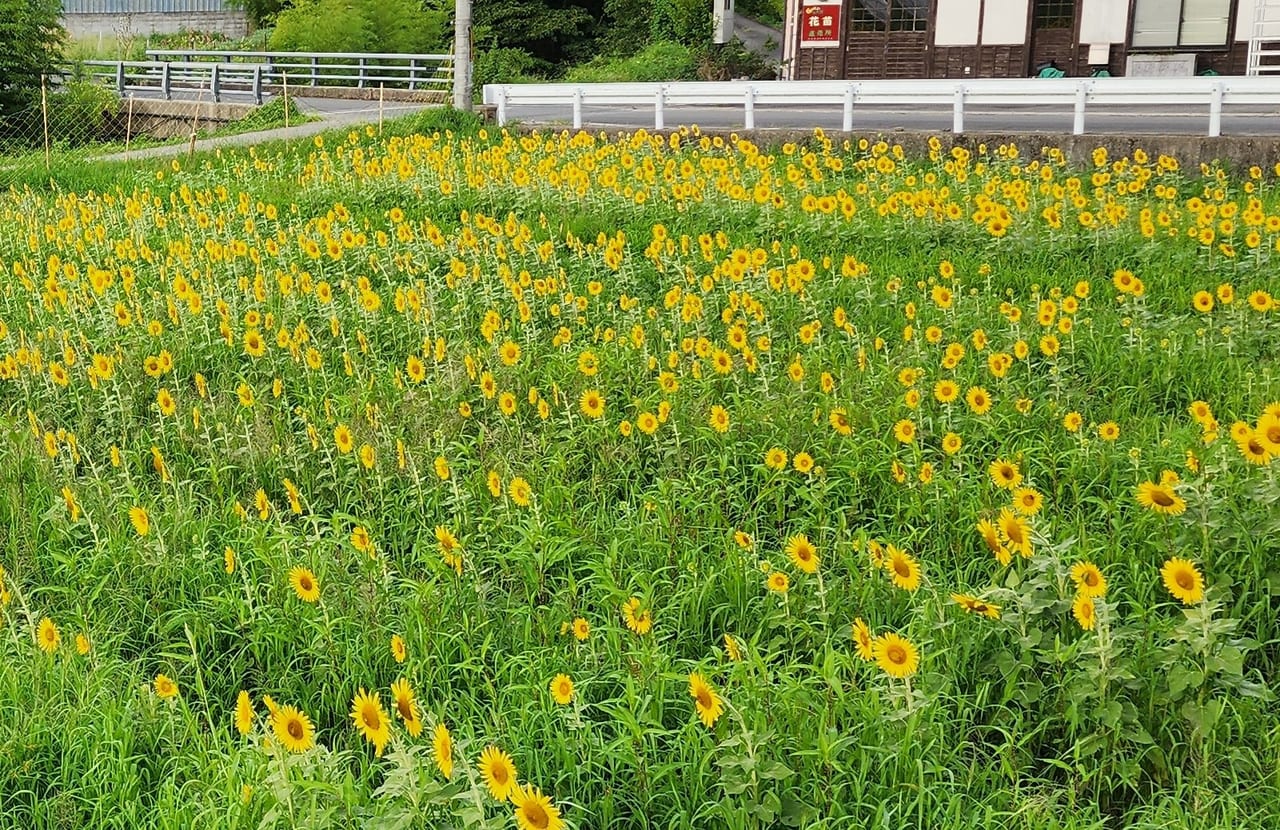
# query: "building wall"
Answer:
x=229 y=23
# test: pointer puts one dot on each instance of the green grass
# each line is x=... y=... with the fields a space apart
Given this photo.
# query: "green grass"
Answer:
x=454 y=241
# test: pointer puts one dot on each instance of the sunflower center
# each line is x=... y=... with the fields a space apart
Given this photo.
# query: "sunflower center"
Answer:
x=500 y=773
x=1185 y=580
x=535 y=815
x=405 y=708
x=1162 y=498
x=371 y=717
x=305 y=582
x=896 y=654
x=901 y=568
x=295 y=730
x=704 y=699
x=1091 y=579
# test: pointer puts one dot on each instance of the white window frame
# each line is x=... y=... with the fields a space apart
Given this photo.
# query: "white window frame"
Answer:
x=1199 y=36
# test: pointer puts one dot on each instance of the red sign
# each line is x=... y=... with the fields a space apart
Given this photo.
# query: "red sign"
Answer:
x=820 y=23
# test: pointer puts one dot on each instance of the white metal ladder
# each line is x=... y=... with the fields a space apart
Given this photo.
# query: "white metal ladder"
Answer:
x=1265 y=42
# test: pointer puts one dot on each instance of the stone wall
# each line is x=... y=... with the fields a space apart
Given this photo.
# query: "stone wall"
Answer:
x=230 y=23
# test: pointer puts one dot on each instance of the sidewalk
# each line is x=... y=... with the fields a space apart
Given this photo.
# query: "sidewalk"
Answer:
x=331 y=113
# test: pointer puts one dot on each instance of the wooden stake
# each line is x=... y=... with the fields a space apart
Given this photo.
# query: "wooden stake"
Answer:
x=128 y=126
x=44 y=114
x=381 y=90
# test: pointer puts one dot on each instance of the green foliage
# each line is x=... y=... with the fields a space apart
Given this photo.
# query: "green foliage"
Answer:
x=765 y=11
x=447 y=119
x=661 y=61
x=357 y=26
x=733 y=60
x=552 y=31
x=687 y=22
x=31 y=39
x=506 y=65
x=262 y=12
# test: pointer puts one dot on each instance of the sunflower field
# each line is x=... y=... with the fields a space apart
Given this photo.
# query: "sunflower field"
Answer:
x=487 y=479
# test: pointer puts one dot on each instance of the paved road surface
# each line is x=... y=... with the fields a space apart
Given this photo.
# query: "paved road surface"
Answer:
x=979 y=120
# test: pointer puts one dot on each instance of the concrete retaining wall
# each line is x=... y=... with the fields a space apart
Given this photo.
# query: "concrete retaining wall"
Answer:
x=167 y=119
x=229 y=23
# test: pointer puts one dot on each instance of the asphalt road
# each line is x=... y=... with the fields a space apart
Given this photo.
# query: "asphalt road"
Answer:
x=1098 y=121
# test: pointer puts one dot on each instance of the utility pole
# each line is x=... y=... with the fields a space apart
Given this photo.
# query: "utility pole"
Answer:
x=462 y=55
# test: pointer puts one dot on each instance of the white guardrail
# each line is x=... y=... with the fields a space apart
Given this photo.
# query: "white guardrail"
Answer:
x=1074 y=94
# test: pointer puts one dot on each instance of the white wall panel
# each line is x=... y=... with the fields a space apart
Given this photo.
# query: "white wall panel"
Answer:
x=957 y=23
x=1005 y=21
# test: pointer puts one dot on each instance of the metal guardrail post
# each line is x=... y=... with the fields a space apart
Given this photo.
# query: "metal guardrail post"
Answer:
x=1082 y=95
x=577 y=108
x=749 y=110
x=214 y=86
x=413 y=74
x=120 y=77
x=166 y=81
x=502 y=106
x=314 y=62
x=360 y=82
x=1215 y=110
x=257 y=84
x=659 y=117
x=957 y=112
x=846 y=123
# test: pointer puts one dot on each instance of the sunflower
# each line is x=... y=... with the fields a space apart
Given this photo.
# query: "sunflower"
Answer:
x=706 y=701
x=534 y=811
x=647 y=423
x=1160 y=498
x=1084 y=611
x=896 y=655
x=592 y=403
x=371 y=720
x=951 y=443
x=415 y=369
x=803 y=462
x=743 y=540
x=342 y=438
x=47 y=636
x=778 y=582
x=1109 y=431
x=562 y=689
x=1016 y=532
x=1268 y=432
x=1004 y=474
x=638 y=620
x=244 y=713
x=803 y=553
x=1089 y=579
x=293 y=729
x=863 y=639
x=494 y=482
x=499 y=772
x=775 y=459
x=719 y=419
x=442 y=749
x=973 y=605
x=1027 y=501
x=946 y=391
x=1201 y=412
x=839 y=419
x=521 y=492
x=1071 y=421
x=165 y=687
x=82 y=642
x=406 y=706
x=581 y=629
x=510 y=353
x=979 y=400
x=398 y=650
x=441 y=465
x=732 y=648
x=904 y=569
x=361 y=540
x=305 y=584
x=140 y=520
x=1254 y=450
x=1183 y=580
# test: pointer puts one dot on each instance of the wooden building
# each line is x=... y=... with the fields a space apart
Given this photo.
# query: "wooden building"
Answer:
x=834 y=39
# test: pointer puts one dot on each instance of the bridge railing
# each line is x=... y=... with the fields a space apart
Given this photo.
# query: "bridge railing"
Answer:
x=354 y=69
x=1074 y=95
x=149 y=77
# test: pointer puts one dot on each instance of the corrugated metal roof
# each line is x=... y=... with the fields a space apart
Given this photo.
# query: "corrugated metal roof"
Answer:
x=143 y=6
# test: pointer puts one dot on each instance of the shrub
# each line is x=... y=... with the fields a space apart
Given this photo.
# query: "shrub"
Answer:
x=357 y=26
x=662 y=61
x=504 y=65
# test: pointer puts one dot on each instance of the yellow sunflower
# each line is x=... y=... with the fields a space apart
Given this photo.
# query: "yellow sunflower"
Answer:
x=1084 y=611
x=244 y=713
x=637 y=619
x=562 y=689
x=534 y=811
x=371 y=720
x=47 y=636
x=292 y=729
x=904 y=569
x=1183 y=580
x=1089 y=579
x=896 y=655
x=1004 y=474
x=499 y=772
x=406 y=705
x=592 y=404
x=442 y=749
x=1016 y=532
x=305 y=584
x=863 y=639
x=1160 y=498
x=706 y=701
x=803 y=553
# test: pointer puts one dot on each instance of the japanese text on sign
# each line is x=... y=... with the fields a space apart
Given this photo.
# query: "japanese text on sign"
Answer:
x=820 y=23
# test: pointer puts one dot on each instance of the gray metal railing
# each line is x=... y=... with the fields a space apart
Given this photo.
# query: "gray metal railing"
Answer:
x=356 y=69
x=165 y=77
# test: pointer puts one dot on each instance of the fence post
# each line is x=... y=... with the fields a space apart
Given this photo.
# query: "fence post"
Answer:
x=360 y=82
x=214 y=86
x=314 y=62
x=1082 y=94
x=413 y=74
x=120 y=77
x=659 y=117
x=749 y=114
x=502 y=106
x=577 y=108
x=846 y=123
x=1215 y=110
x=166 y=82
x=257 y=84
x=957 y=111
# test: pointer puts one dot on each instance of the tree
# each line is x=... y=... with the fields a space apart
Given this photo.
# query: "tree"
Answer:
x=357 y=26
x=31 y=38
x=261 y=12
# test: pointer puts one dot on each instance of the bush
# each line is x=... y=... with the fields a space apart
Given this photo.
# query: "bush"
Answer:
x=447 y=119
x=734 y=60
x=506 y=66
x=357 y=26
x=662 y=61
